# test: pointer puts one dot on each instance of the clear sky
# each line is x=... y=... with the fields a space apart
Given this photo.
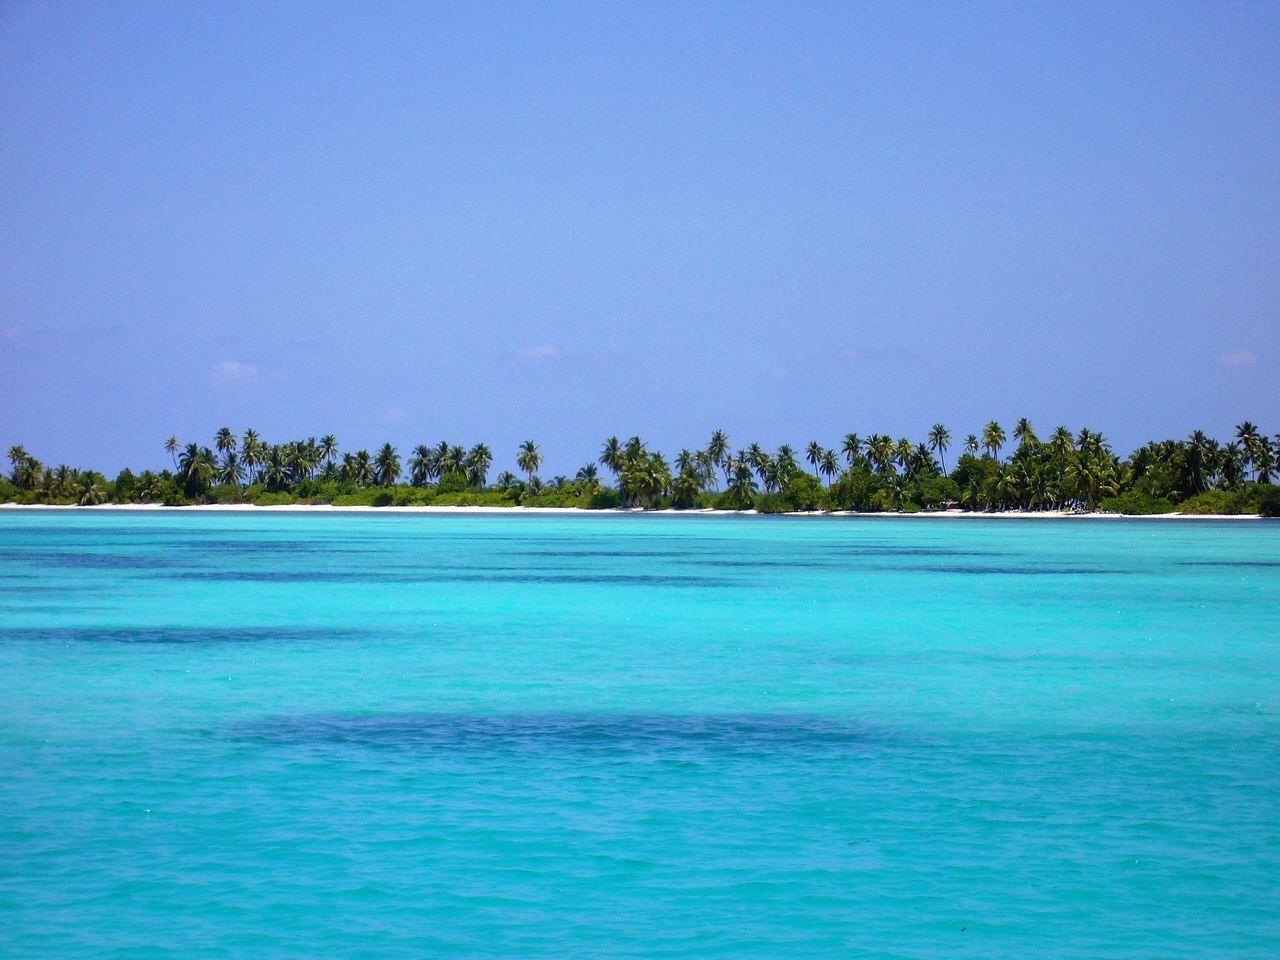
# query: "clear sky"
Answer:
x=508 y=221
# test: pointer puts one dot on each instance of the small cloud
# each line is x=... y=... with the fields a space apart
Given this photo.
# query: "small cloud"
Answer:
x=13 y=331
x=539 y=352
x=395 y=413
x=1238 y=358
x=233 y=373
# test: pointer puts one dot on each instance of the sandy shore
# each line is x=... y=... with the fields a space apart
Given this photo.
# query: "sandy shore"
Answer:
x=329 y=508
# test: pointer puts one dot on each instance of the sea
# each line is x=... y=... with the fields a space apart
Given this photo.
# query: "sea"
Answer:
x=377 y=735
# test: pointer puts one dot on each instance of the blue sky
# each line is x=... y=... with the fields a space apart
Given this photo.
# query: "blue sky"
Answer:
x=492 y=222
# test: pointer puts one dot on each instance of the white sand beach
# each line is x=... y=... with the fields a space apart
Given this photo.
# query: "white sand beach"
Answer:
x=322 y=508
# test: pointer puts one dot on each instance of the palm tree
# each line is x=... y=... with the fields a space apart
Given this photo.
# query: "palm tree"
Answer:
x=880 y=451
x=645 y=477
x=921 y=463
x=19 y=458
x=902 y=451
x=786 y=459
x=1061 y=441
x=224 y=441
x=993 y=439
x=718 y=449
x=741 y=494
x=685 y=489
x=173 y=446
x=421 y=465
x=971 y=445
x=251 y=453
x=328 y=449
x=1232 y=465
x=529 y=458
x=611 y=456
x=829 y=466
x=1024 y=433
x=386 y=466
x=896 y=491
x=813 y=453
x=92 y=491
x=1196 y=462
x=231 y=469
x=441 y=454
x=454 y=461
x=276 y=472
x=197 y=467
x=707 y=466
x=1264 y=461
x=362 y=468
x=851 y=447
x=479 y=460
x=939 y=439
x=506 y=480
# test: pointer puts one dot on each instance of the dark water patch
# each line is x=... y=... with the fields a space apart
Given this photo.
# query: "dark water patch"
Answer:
x=1264 y=564
x=179 y=635
x=885 y=550
x=381 y=576
x=51 y=608
x=46 y=590
x=276 y=547
x=618 y=554
x=616 y=733
x=86 y=560
x=63 y=531
x=1029 y=571
x=687 y=559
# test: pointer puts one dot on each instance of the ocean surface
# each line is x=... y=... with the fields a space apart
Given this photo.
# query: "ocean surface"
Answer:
x=273 y=735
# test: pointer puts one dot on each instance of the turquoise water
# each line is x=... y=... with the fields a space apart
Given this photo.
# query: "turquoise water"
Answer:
x=434 y=736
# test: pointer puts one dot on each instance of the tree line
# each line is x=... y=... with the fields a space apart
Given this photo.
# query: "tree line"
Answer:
x=992 y=471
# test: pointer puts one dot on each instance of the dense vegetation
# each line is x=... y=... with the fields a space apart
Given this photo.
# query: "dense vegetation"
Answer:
x=875 y=473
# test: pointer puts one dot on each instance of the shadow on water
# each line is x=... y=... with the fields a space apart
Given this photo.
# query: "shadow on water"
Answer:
x=568 y=733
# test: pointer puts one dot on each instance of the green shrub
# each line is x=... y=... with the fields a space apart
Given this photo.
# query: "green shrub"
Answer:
x=122 y=486
x=772 y=503
x=550 y=498
x=475 y=498
x=7 y=491
x=935 y=493
x=1135 y=503
x=604 y=499
x=1211 y=501
x=403 y=496
x=1269 y=502
x=226 y=493
x=855 y=490
x=453 y=483
x=274 y=499
x=804 y=492
x=358 y=498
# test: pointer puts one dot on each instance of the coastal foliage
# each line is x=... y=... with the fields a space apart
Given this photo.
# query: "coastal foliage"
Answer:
x=876 y=473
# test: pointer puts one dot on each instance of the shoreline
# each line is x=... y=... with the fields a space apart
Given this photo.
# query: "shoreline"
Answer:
x=517 y=510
